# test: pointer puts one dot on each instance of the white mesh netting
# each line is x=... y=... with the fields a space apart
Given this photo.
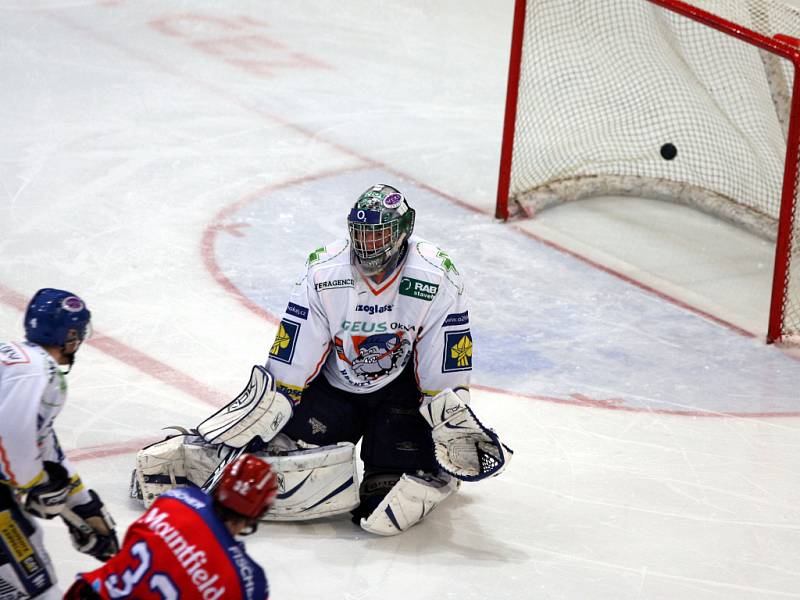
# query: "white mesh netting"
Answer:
x=626 y=97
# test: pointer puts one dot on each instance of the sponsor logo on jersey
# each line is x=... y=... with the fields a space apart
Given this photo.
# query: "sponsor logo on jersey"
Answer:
x=424 y=290
x=11 y=354
x=245 y=568
x=285 y=341
x=367 y=327
x=301 y=312
x=15 y=542
x=334 y=284
x=457 y=351
x=456 y=319
x=192 y=559
x=186 y=498
x=314 y=256
x=290 y=391
x=447 y=262
x=373 y=309
x=376 y=355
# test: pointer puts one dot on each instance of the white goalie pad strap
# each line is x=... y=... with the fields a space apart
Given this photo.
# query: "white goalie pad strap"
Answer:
x=411 y=499
x=258 y=411
x=463 y=447
x=313 y=483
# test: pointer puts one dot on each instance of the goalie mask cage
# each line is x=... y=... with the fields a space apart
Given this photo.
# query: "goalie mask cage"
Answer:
x=688 y=101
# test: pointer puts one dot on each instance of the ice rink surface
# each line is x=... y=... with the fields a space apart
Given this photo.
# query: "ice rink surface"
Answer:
x=175 y=162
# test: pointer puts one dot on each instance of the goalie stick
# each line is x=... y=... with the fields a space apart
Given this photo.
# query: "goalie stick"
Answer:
x=231 y=455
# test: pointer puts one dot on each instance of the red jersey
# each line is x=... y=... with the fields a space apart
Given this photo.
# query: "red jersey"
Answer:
x=180 y=548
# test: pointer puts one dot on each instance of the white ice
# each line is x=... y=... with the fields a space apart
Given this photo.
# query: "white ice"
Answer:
x=175 y=162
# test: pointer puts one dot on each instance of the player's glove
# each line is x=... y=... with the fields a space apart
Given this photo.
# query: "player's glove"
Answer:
x=92 y=528
x=48 y=499
x=464 y=448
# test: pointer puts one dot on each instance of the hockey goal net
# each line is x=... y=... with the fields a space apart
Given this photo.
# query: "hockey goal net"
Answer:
x=688 y=101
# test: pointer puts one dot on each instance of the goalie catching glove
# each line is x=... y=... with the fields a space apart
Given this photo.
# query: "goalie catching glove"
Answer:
x=92 y=528
x=464 y=448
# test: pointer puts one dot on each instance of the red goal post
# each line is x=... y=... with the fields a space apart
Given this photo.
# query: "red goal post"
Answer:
x=689 y=101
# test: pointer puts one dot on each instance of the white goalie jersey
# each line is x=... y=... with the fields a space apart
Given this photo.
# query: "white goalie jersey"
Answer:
x=361 y=335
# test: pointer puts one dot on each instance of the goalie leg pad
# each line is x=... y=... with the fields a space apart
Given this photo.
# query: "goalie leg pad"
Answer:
x=160 y=467
x=178 y=461
x=411 y=499
x=314 y=482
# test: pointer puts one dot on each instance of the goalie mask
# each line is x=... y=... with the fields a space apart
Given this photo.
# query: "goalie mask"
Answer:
x=380 y=223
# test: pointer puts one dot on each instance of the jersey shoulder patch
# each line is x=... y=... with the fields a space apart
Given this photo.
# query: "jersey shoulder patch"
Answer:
x=13 y=354
x=327 y=253
x=439 y=259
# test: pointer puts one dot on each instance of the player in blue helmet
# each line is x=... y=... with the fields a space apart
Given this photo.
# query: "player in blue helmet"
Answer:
x=36 y=476
x=58 y=319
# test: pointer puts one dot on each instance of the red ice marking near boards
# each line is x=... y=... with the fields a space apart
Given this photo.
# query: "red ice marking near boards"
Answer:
x=239 y=41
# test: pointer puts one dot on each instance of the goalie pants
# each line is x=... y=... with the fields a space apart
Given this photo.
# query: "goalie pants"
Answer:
x=396 y=438
x=25 y=567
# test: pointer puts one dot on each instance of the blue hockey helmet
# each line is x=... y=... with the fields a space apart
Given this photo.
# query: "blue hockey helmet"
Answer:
x=53 y=314
x=379 y=224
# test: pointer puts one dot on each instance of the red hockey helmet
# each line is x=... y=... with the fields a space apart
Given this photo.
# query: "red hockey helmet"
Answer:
x=247 y=486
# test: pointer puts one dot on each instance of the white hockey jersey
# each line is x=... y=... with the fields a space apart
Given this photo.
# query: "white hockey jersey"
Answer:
x=361 y=334
x=32 y=393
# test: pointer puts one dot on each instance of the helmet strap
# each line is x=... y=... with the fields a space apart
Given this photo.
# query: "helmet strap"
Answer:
x=70 y=360
x=70 y=356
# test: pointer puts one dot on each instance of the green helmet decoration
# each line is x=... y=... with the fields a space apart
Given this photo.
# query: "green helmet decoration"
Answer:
x=379 y=224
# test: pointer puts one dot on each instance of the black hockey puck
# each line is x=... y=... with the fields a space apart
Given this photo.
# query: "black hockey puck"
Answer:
x=668 y=151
